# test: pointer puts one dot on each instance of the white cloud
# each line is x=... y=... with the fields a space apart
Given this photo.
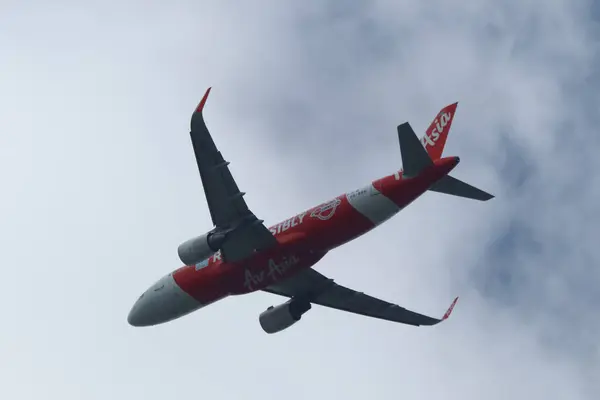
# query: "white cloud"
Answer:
x=101 y=186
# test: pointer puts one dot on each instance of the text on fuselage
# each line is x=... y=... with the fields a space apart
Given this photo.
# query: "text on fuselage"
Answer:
x=287 y=224
x=271 y=273
x=358 y=192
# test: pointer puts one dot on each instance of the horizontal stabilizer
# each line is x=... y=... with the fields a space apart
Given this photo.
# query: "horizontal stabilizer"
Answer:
x=414 y=155
x=455 y=187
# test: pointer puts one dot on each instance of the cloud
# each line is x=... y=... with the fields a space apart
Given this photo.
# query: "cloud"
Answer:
x=101 y=186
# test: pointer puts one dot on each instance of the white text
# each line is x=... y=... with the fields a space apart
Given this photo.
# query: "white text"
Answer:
x=287 y=224
x=273 y=272
x=437 y=130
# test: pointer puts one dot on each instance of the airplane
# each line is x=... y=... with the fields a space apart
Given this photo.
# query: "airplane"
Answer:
x=240 y=255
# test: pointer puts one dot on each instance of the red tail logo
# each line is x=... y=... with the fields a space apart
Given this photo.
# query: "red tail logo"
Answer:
x=437 y=133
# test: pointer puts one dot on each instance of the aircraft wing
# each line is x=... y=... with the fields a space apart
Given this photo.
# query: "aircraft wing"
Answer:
x=318 y=289
x=226 y=203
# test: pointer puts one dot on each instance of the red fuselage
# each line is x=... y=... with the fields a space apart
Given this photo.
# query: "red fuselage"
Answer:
x=305 y=238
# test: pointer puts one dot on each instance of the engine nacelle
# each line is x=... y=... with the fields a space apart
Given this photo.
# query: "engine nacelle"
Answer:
x=198 y=249
x=276 y=319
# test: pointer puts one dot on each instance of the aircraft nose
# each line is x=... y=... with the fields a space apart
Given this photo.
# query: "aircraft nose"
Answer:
x=138 y=315
x=144 y=311
x=162 y=302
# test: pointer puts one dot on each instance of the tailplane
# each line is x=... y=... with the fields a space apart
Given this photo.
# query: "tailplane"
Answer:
x=419 y=154
x=455 y=187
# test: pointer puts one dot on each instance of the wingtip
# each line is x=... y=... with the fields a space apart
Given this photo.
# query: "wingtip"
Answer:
x=203 y=101
x=486 y=196
x=449 y=311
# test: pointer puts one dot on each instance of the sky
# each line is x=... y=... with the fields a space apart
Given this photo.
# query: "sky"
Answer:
x=100 y=186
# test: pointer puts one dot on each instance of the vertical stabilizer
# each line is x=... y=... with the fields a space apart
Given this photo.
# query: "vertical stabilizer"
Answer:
x=437 y=133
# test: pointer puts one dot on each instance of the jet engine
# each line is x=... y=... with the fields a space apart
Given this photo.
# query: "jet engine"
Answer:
x=198 y=249
x=276 y=319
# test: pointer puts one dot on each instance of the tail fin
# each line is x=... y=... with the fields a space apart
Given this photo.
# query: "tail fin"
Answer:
x=437 y=133
x=455 y=187
x=417 y=155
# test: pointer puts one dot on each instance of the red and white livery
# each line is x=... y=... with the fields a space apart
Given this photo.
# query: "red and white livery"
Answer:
x=241 y=255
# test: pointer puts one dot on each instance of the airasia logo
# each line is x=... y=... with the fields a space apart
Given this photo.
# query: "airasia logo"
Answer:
x=273 y=272
x=438 y=127
x=326 y=211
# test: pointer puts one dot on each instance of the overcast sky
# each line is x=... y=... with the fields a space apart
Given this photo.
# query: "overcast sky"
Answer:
x=100 y=186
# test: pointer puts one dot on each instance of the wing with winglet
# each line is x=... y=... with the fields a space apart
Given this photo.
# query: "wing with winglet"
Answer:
x=228 y=209
x=318 y=289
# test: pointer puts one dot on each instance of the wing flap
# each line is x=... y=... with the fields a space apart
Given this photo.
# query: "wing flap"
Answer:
x=318 y=289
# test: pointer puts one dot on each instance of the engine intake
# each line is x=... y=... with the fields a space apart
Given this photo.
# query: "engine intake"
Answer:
x=197 y=249
x=276 y=319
